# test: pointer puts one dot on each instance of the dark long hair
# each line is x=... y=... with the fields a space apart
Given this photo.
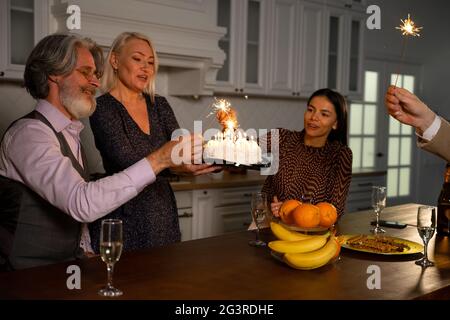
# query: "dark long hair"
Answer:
x=340 y=107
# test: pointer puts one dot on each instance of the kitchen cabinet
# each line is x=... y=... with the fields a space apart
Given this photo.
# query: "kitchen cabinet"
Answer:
x=309 y=46
x=233 y=208
x=210 y=212
x=244 y=45
x=360 y=192
x=296 y=48
x=204 y=222
x=184 y=205
x=22 y=24
x=344 y=31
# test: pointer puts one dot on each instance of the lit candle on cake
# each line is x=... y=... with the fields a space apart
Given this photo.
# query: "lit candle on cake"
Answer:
x=231 y=145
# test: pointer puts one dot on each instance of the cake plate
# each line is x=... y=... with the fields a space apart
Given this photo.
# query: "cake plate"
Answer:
x=227 y=164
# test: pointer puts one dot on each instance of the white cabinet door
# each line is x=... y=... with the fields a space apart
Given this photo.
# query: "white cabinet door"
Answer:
x=354 y=78
x=335 y=24
x=311 y=75
x=204 y=222
x=185 y=219
x=244 y=45
x=283 y=43
x=22 y=25
x=344 y=48
x=185 y=213
x=296 y=48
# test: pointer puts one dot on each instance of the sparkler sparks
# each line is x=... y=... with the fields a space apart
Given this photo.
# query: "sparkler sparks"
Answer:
x=225 y=114
x=221 y=105
x=409 y=28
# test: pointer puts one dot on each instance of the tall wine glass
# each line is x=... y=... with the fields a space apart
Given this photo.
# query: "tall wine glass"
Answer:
x=426 y=225
x=260 y=211
x=110 y=250
x=378 y=204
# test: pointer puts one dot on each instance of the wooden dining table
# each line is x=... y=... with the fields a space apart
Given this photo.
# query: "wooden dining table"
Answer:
x=225 y=267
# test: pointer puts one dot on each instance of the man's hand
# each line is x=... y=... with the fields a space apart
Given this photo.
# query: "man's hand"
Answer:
x=187 y=149
x=408 y=109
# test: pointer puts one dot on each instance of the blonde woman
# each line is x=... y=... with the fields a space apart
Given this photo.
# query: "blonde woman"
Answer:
x=129 y=122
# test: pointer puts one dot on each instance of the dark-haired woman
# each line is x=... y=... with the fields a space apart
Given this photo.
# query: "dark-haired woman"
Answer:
x=315 y=163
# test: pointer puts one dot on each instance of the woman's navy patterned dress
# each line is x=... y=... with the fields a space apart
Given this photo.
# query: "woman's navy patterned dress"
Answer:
x=150 y=219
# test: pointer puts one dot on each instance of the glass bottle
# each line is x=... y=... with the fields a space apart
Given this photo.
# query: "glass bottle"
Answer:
x=443 y=223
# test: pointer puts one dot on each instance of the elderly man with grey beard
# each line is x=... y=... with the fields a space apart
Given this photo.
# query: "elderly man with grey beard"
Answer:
x=45 y=194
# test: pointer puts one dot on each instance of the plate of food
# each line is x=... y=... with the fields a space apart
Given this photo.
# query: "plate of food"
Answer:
x=379 y=244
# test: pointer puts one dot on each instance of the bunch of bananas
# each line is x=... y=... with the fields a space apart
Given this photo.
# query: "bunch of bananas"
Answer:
x=303 y=251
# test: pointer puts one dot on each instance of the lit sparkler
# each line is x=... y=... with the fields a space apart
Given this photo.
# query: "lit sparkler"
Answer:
x=225 y=115
x=408 y=28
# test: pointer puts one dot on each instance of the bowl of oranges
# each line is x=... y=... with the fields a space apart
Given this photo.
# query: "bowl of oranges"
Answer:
x=307 y=217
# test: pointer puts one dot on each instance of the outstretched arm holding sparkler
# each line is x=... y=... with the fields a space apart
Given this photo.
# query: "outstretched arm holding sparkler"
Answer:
x=409 y=109
x=433 y=131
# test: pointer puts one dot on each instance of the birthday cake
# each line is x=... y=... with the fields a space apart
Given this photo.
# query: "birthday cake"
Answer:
x=231 y=145
x=229 y=148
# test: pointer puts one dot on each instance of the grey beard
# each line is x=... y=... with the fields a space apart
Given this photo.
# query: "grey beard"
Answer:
x=77 y=107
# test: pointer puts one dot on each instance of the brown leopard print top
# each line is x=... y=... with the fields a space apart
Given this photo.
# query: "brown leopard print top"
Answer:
x=310 y=174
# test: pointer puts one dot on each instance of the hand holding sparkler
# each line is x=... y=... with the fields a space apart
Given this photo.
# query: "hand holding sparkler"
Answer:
x=408 y=109
x=408 y=28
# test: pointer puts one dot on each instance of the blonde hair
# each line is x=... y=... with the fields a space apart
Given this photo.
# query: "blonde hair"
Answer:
x=109 y=78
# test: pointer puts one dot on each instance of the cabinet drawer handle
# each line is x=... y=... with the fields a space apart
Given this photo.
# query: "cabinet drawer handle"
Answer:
x=368 y=184
x=205 y=192
x=247 y=195
x=364 y=208
x=185 y=215
x=2 y=73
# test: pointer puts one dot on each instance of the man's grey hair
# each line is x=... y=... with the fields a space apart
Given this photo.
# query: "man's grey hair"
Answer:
x=56 y=55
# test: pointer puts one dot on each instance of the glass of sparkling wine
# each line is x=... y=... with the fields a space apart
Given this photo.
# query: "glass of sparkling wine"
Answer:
x=110 y=250
x=378 y=204
x=260 y=211
x=426 y=225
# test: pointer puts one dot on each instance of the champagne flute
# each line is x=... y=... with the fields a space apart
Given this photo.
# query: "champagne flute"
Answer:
x=426 y=225
x=260 y=213
x=110 y=250
x=378 y=204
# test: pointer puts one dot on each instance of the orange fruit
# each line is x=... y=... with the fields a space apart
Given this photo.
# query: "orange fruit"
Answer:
x=286 y=210
x=328 y=214
x=306 y=215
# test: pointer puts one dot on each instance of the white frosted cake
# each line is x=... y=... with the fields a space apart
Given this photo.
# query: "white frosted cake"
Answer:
x=232 y=145
x=238 y=150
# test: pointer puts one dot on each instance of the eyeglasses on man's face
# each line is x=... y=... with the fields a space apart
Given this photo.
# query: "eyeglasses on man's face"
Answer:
x=89 y=73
